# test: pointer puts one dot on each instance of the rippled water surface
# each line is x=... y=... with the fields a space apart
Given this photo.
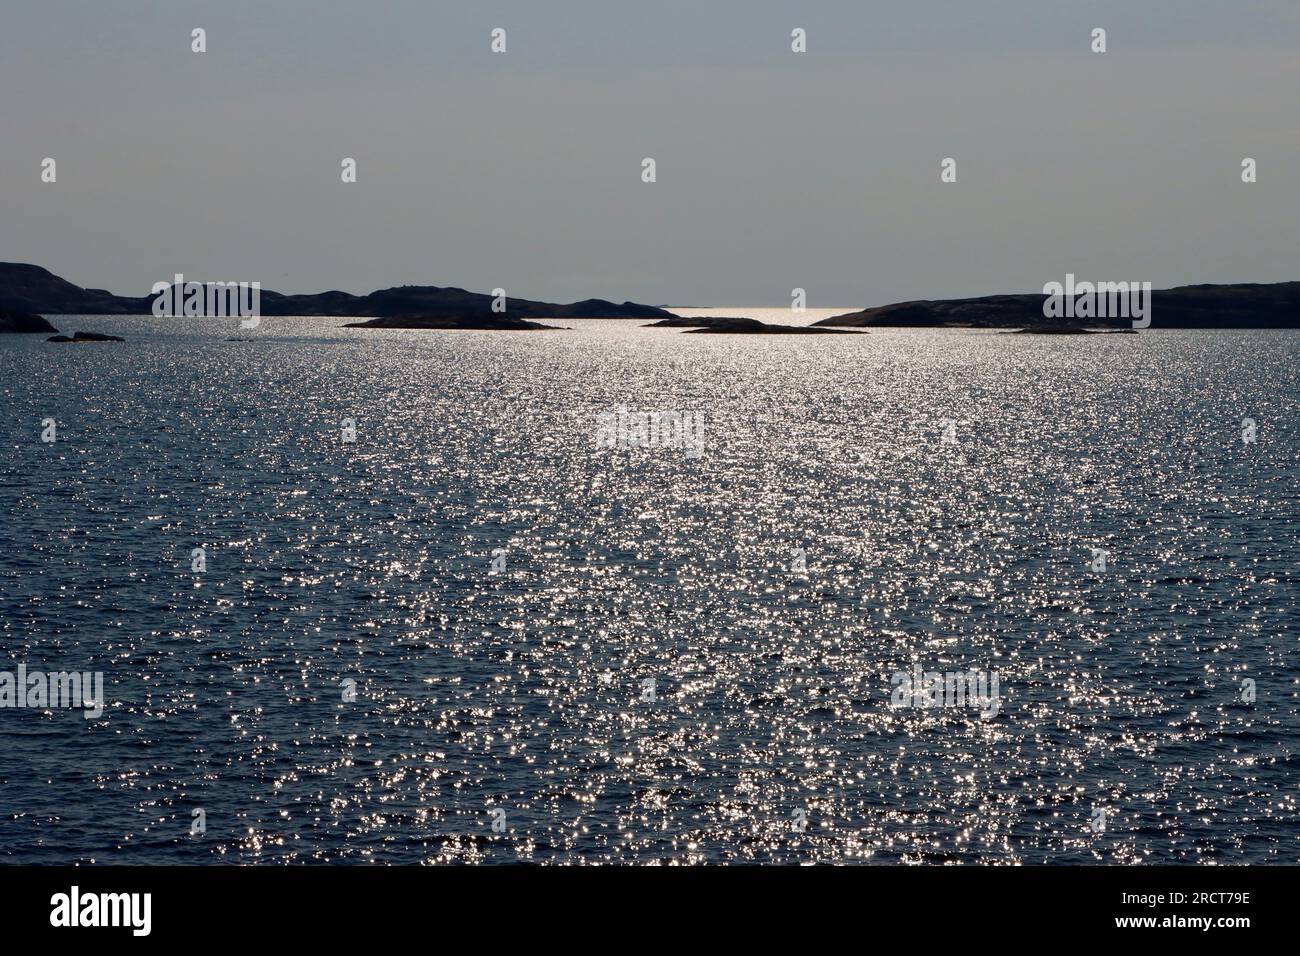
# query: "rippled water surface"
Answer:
x=327 y=561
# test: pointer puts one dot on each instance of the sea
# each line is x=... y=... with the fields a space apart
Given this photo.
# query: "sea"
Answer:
x=386 y=597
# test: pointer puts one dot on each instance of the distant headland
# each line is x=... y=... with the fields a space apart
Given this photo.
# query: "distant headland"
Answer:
x=32 y=289
x=1249 y=306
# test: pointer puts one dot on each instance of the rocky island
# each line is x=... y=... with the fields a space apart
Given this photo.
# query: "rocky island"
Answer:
x=23 y=323
x=85 y=337
x=732 y=325
x=1247 y=306
x=1068 y=330
x=493 y=321
x=696 y=322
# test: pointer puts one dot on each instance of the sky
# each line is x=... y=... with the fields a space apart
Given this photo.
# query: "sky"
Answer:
x=775 y=170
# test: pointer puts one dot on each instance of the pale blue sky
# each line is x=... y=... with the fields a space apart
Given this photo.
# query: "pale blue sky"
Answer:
x=775 y=169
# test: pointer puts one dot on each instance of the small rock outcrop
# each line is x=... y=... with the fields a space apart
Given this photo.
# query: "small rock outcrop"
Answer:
x=85 y=337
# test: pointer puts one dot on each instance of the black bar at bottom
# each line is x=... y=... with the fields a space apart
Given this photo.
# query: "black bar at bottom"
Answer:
x=335 y=905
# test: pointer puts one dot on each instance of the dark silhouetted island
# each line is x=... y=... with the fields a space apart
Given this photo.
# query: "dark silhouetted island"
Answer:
x=30 y=288
x=85 y=337
x=735 y=325
x=1068 y=330
x=493 y=321
x=693 y=322
x=23 y=322
x=1251 y=306
x=728 y=326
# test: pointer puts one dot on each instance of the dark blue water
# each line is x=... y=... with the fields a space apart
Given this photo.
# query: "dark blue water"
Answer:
x=1122 y=733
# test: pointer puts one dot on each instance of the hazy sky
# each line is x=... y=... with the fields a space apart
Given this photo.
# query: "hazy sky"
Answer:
x=775 y=169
